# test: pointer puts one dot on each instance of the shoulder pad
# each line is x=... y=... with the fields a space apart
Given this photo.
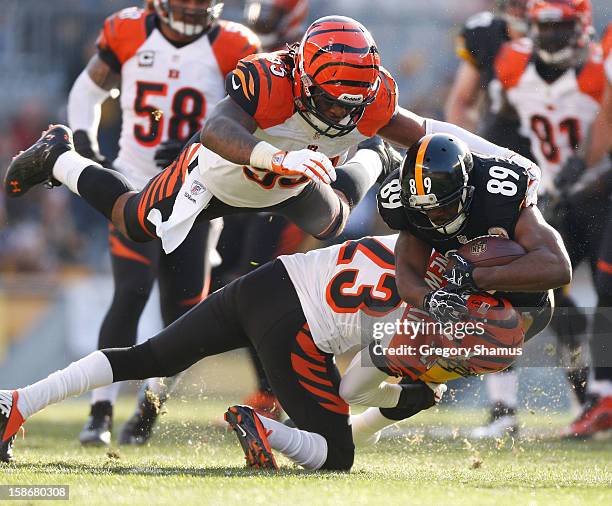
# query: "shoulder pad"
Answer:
x=512 y=60
x=122 y=34
x=262 y=85
x=380 y=112
x=389 y=204
x=231 y=42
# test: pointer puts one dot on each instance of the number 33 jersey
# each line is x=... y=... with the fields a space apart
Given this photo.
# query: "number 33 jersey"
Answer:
x=166 y=90
x=502 y=188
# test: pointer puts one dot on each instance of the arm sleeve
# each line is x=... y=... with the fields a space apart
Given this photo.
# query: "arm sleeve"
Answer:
x=84 y=105
x=474 y=142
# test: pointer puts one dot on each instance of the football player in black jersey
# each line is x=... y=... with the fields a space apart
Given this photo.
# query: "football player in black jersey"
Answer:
x=444 y=196
x=477 y=45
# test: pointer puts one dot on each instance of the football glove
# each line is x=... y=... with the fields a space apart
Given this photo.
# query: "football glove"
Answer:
x=305 y=162
x=167 y=152
x=83 y=146
x=569 y=173
x=447 y=304
x=461 y=275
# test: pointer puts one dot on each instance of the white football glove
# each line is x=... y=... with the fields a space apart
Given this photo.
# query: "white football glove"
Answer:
x=304 y=162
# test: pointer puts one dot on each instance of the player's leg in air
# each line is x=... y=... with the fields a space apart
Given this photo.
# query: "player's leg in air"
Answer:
x=304 y=378
x=167 y=199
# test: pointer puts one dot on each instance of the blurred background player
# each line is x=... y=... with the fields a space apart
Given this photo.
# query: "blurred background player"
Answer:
x=250 y=240
x=475 y=102
x=596 y=183
x=169 y=61
x=277 y=22
x=554 y=79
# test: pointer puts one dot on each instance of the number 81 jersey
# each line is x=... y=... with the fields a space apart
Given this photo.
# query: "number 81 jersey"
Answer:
x=502 y=188
x=166 y=90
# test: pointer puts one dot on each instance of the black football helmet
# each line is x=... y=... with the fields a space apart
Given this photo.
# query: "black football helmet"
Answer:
x=434 y=177
x=186 y=18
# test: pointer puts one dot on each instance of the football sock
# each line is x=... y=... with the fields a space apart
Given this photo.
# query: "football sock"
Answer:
x=98 y=186
x=307 y=449
x=503 y=388
x=108 y=393
x=367 y=426
x=357 y=176
x=90 y=372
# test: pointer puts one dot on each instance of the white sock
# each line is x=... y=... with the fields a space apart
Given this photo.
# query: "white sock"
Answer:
x=90 y=372
x=503 y=387
x=366 y=160
x=108 y=393
x=367 y=426
x=68 y=168
x=602 y=388
x=307 y=449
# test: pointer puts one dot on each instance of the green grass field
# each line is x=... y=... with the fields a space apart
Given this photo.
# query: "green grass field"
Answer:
x=192 y=461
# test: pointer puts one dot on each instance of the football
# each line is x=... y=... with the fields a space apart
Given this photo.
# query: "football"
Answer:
x=491 y=251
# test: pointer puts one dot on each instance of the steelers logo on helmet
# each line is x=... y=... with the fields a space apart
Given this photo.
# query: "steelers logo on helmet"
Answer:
x=337 y=75
x=189 y=18
x=561 y=30
x=434 y=179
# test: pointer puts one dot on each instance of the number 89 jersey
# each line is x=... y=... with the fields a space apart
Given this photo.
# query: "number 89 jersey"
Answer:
x=166 y=90
x=502 y=188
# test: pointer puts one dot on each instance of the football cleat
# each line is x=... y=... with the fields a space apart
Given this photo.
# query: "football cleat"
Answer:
x=264 y=403
x=595 y=418
x=252 y=436
x=34 y=166
x=389 y=157
x=502 y=422
x=10 y=423
x=137 y=430
x=97 y=429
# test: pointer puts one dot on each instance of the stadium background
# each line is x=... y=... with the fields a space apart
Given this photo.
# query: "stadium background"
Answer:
x=55 y=284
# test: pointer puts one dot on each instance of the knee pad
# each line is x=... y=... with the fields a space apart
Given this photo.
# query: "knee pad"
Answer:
x=339 y=458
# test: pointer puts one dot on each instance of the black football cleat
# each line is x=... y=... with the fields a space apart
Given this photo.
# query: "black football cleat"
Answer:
x=390 y=158
x=252 y=436
x=97 y=429
x=137 y=430
x=34 y=166
x=10 y=423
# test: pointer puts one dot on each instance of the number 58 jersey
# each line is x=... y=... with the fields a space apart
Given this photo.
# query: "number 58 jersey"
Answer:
x=166 y=90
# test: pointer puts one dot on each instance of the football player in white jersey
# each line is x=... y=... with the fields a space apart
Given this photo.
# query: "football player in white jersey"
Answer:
x=554 y=79
x=170 y=63
x=316 y=305
x=594 y=183
x=268 y=146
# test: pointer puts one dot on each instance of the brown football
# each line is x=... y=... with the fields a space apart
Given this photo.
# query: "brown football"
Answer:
x=491 y=251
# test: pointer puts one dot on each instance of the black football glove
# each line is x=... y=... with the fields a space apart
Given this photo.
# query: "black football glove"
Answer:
x=447 y=304
x=167 y=152
x=569 y=173
x=390 y=158
x=83 y=146
x=461 y=275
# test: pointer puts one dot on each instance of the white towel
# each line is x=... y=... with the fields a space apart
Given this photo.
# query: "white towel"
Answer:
x=191 y=200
